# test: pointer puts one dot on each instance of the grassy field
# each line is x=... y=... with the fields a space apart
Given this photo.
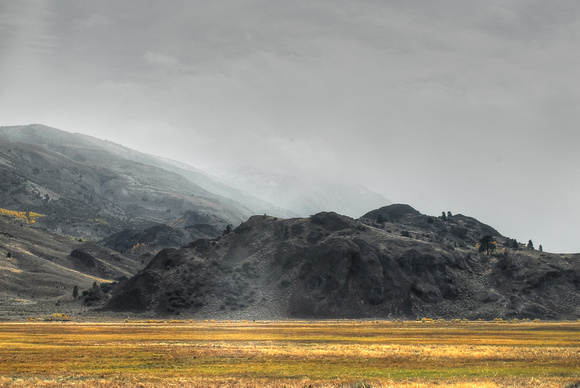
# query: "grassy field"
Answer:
x=289 y=353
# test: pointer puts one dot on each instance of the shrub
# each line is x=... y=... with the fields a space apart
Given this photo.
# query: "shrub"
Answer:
x=511 y=243
x=96 y=293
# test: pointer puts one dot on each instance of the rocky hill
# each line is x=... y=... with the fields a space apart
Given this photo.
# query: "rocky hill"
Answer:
x=392 y=263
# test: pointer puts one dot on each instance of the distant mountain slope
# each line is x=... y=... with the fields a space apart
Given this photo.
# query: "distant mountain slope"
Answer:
x=89 y=187
x=226 y=189
x=300 y=195
x=332 y=266
x=190 y=227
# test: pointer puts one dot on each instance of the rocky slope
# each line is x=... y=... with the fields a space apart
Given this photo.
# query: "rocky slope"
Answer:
x=407 y=265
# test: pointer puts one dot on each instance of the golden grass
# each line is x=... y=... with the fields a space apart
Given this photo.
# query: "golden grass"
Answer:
x=289 y=353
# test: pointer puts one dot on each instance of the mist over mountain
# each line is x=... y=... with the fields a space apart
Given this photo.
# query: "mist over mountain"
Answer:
x=302 y=196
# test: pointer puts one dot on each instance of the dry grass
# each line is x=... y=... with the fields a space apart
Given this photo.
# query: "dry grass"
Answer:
x=289 y=353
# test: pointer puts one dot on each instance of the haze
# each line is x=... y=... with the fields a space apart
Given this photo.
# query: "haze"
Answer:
x=468 y=107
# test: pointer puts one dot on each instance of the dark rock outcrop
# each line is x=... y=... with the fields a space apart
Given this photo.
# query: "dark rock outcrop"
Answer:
x=83 y=258
x=331 y=266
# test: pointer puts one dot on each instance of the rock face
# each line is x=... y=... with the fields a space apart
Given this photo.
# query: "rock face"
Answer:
x=332 y=266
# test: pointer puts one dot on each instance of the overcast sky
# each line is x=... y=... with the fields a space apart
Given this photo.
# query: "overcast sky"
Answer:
x=466 y=106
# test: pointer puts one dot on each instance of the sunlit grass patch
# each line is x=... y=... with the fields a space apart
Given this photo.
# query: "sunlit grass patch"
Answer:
x=289 y=352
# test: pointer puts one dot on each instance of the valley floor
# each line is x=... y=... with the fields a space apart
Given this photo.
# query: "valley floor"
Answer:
x=349 y=353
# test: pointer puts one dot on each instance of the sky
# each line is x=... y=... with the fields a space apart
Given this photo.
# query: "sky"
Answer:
x=449 y=105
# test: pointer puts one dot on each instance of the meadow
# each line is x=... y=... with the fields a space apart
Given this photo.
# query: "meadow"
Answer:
x=289 y=354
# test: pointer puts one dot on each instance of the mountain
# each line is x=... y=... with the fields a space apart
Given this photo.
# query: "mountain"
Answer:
x=328 y=265
x=91 y=188
x=302 y=196
x=79 y=211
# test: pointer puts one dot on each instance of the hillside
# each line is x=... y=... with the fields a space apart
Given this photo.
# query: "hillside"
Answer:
x=38 y=270
x=91 y=188
x=332 y=266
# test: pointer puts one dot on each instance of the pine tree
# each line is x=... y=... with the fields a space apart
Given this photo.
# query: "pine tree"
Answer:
x=486 y=244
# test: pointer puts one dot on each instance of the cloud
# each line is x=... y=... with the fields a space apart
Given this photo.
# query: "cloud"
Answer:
x=449 y=104
x=94 y=20
x=26 y=32
x=164 y=62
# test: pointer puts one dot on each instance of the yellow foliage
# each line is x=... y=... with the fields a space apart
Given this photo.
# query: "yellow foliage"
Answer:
x=28 y=217
x=176 y=222
x=138 y=245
